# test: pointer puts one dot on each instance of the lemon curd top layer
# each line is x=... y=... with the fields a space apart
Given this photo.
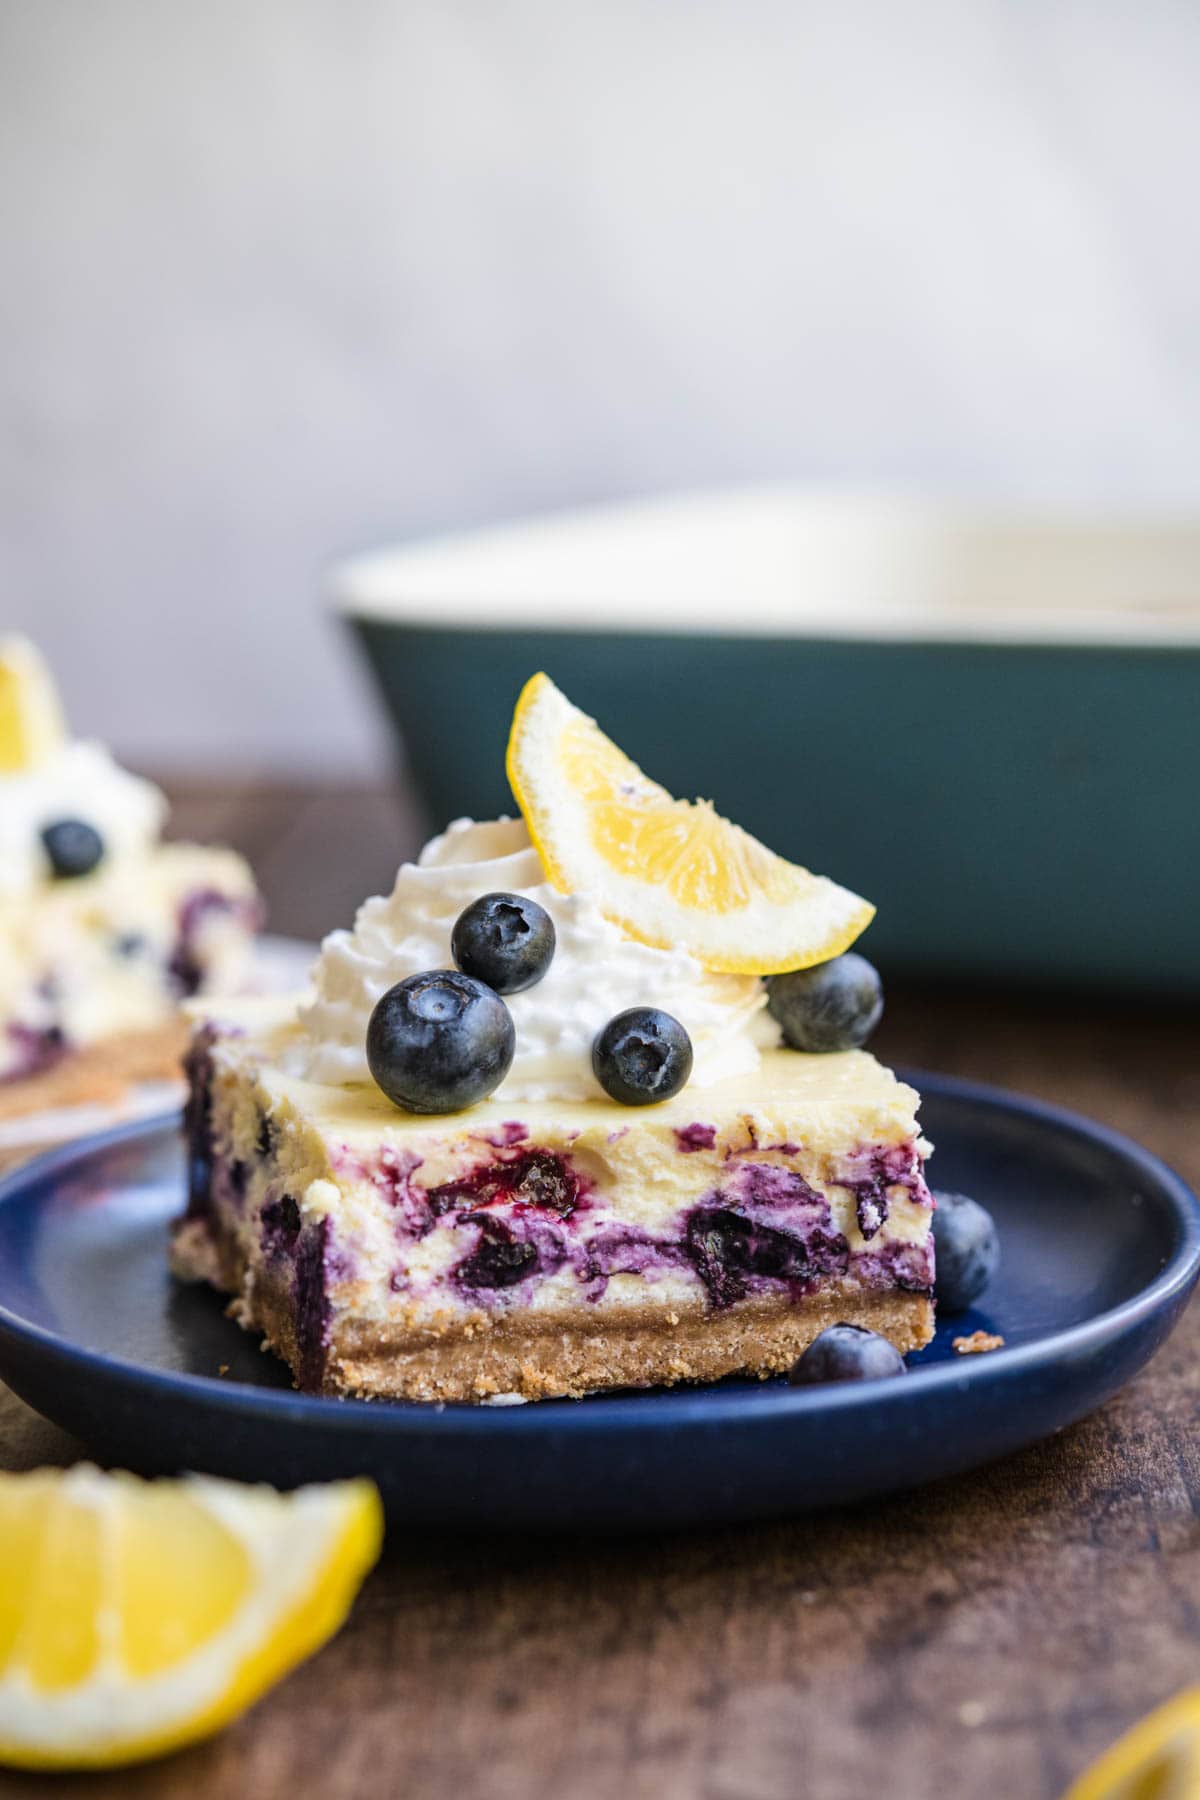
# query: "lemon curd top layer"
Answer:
x=837 y=1098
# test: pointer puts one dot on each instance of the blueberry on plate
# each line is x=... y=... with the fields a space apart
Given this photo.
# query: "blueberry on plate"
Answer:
x=505 y=940
x=73 y=846
x=966 y=1251
x=439 y=1041
x=641 y=1056
x=834 y=1006
x=847 y=1353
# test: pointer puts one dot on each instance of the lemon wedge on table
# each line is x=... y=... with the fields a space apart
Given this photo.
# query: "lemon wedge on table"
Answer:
x=1159 y=1759
x=139 y=1616
x=31 y=721
x=668 y=872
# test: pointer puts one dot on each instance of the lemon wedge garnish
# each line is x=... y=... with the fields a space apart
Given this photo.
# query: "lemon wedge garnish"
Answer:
x=138 y=1616
x=31 y=721
x=1159 y=1759
x=668 y=872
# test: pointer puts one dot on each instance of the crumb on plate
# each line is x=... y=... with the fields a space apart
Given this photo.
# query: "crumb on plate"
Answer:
x=977 y=1343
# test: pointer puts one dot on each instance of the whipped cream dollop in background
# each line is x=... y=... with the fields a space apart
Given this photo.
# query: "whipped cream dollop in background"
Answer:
x=77 y=780
x=596 y=972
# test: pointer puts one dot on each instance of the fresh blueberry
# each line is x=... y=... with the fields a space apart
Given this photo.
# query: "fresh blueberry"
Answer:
x=439 y=1041
x=73 y=846
x=847 y=1353
x=641 y=1056
x=505 y=940
x=834 y=1006
x=966 y=1251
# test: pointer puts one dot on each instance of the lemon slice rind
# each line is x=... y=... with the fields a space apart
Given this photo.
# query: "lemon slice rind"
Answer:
x=31 y=720
x=308 y=1553
x=667 y=872
x=1160 y=1755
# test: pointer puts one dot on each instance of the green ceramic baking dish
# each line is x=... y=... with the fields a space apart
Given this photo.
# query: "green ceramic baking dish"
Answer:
x=990 y=725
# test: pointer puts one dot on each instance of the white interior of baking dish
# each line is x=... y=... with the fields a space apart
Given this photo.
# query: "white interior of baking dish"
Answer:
x=785 y=562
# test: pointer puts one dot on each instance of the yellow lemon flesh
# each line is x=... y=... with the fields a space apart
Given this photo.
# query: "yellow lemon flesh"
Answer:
x=668 y=872
x=1158 y=1760
x=31 y=722
x=138 y=1616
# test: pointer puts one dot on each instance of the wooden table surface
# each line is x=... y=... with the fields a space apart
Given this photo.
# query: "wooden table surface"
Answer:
x=983 y=1637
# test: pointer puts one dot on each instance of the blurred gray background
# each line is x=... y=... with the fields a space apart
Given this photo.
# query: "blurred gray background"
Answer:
x=286 y=277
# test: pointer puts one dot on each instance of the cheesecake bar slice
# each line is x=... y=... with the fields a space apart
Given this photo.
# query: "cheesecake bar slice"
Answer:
x=104 y=927
x=549 y=1248
x=100 y=964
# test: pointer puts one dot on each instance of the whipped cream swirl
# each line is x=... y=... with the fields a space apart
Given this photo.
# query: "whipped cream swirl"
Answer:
x=78 y=780
x=597 y=971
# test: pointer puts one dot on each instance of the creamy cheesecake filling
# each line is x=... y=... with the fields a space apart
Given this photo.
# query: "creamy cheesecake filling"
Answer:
x=564 y=1211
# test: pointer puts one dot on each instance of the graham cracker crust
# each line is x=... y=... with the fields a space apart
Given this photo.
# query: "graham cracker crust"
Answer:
x=514 y=1354
x=542 y=1356
x=100 y=1073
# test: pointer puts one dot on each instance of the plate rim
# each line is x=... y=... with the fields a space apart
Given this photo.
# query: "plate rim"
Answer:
x=709 y=1404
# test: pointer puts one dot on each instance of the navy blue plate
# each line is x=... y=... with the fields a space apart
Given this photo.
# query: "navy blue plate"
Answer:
x=1100 y=1245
